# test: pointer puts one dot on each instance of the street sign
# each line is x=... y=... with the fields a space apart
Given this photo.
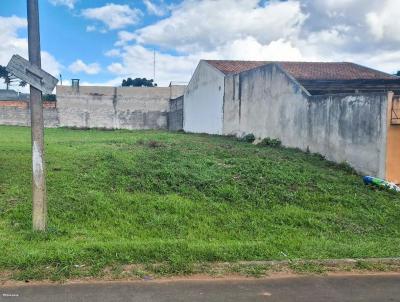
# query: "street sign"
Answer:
x=32 y=74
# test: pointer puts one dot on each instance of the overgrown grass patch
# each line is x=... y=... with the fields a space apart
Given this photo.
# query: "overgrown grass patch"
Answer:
x=129 y=197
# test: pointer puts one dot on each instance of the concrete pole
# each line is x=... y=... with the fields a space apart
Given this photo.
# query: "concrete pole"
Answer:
x=39 y=216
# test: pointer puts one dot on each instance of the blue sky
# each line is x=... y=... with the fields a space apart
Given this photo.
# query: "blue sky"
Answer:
x=103 y=41
x=64 y=33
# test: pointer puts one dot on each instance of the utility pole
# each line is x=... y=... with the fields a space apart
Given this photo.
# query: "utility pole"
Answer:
x=39 y=215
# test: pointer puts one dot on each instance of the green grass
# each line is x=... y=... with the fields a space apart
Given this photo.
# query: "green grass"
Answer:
x=120 y=197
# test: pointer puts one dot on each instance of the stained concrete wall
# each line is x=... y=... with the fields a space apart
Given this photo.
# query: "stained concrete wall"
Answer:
x=98 y=107
x=176 y=91
x=344 y=128
x=203 y=110
x=267 y=103
x=17 y=115
x=115 y=108
x=175 y=114
x=350 y=128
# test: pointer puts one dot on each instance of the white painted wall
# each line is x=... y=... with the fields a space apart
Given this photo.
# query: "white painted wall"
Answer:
x=203 y=102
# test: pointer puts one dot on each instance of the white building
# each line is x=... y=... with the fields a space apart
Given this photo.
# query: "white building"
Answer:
x=203 y=100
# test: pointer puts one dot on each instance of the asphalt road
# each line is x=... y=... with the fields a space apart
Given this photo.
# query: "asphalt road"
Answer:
x=308 y=289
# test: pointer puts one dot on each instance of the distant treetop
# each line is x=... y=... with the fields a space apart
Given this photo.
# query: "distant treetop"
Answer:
x=10 y=79
x=138 y=82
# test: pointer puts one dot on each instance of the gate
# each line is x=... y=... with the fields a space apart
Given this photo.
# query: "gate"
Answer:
x=395 y=118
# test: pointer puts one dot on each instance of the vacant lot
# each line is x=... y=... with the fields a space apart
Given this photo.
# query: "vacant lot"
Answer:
x=119 y=197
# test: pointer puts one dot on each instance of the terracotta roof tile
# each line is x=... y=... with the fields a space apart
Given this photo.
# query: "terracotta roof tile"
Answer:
x=308 y=70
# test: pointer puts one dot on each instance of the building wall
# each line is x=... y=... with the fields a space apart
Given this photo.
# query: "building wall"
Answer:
x=98 y=107
x=267 y=103
x=344 y=128
x=393 y=143
x=176 y=91
x=175 y=114
x=350 y=128
x=203 y=110
x=10 y=95
x=17 y=113
x=114 y=108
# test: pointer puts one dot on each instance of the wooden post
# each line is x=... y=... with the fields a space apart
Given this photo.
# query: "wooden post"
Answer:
x=39 y=216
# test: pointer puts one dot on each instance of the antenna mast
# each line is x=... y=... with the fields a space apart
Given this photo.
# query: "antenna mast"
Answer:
x=154 y=65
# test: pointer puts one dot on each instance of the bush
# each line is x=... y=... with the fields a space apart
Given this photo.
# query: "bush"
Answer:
x=270 y=142
x=248 y=138
x=49 y=98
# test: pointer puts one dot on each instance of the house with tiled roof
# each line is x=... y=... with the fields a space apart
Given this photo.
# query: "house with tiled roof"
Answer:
x=344 y=111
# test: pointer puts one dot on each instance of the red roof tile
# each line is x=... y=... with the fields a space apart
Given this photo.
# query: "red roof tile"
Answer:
x=308 y=70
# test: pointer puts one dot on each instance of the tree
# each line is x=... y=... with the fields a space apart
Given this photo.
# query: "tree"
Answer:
x=10 y=79
x=398 y=73
x=138 y=82
x=49 y=97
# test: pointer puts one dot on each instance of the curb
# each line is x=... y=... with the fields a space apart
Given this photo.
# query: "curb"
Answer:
x=326 y=262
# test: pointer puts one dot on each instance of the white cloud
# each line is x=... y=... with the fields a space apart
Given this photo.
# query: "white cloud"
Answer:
x=384 y=23
x=115 y=52
x=365 y=32
x=116 y=68
x=11 y=43
x=383 y=60
x=154 y=9
x=114 y=16
x=80 y=66
x=50 y=64
x=204 y=25
x=68 y=3
x=124 y=37
x=137 y=61
x=113 y=83
x=90 y=28
x=250 y=49
x=239 y=29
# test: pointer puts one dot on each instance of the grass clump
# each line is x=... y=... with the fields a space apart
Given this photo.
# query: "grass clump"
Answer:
x=248 y=138
x=113 y=199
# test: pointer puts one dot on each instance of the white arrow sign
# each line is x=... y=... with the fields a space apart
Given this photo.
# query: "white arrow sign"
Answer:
x=31 y=74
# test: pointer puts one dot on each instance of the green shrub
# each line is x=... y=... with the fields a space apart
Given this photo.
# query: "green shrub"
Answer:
x=271 y=142
x=248 y=138
x=49 y=98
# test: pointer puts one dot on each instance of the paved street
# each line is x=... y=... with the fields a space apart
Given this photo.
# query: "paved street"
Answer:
x=307 y=289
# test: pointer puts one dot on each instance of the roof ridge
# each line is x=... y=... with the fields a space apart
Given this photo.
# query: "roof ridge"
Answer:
x=279 y=61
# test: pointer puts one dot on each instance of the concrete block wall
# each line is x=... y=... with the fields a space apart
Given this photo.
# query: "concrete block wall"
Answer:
x=175 y=115
x=115 y=108
x=18 y=114
x=176 y=91
x=98 y=107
